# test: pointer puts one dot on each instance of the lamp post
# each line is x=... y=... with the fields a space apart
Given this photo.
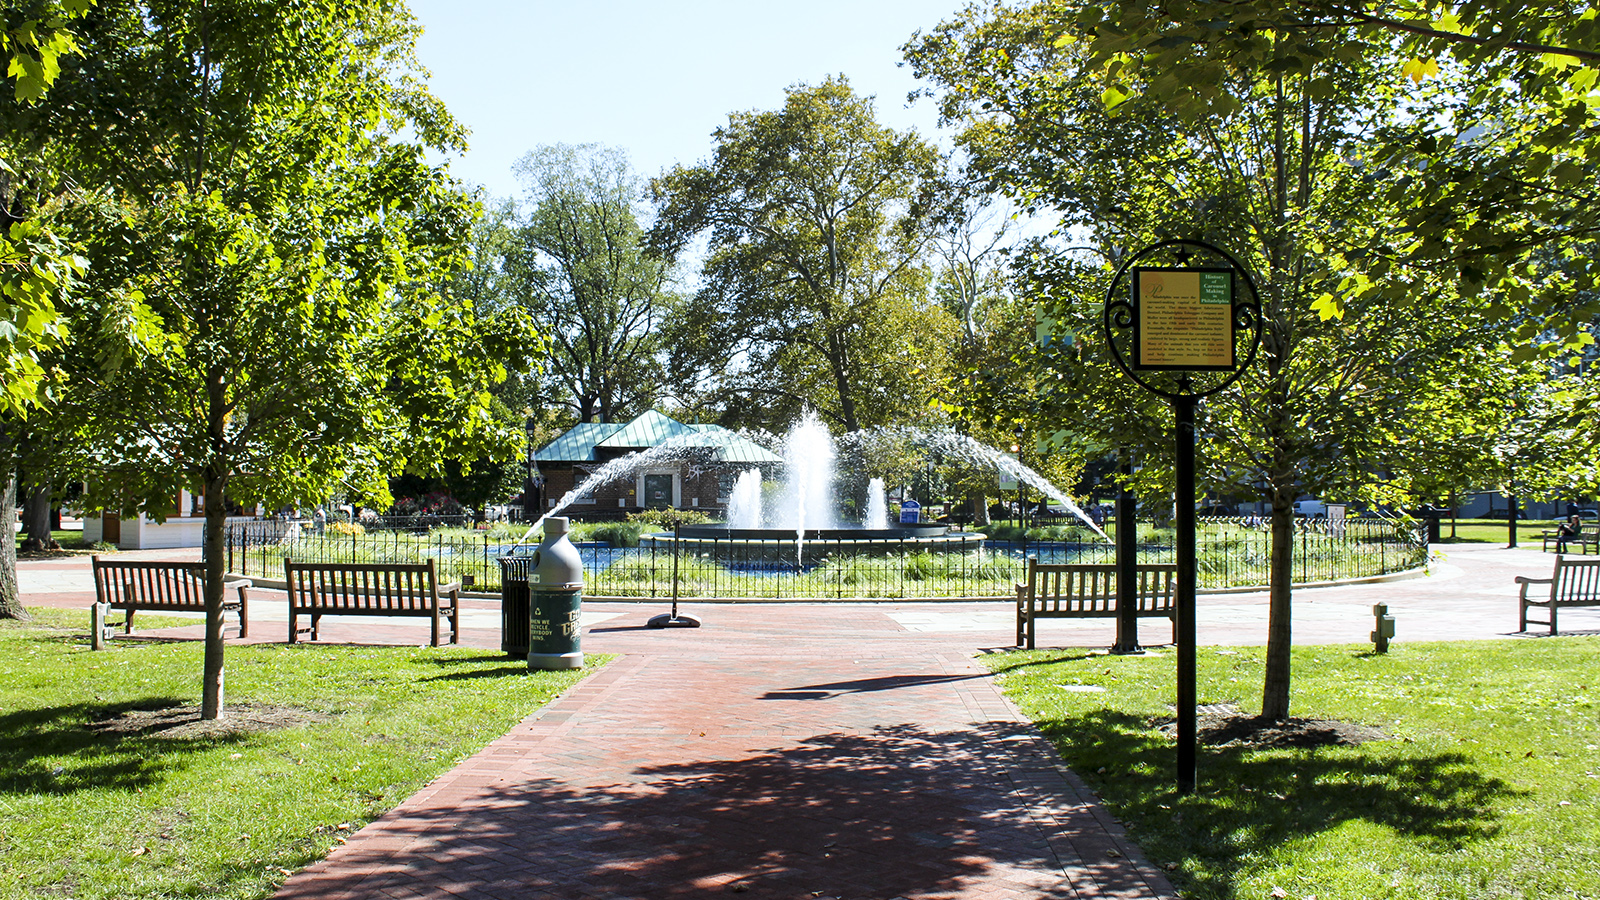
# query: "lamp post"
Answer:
x=1022 y=486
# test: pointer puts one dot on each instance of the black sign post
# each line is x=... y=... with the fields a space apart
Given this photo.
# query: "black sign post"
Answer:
x=1177 y=330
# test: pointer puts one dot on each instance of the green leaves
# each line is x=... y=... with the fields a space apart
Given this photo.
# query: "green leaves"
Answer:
x=32 y=47
x=37 y=271
x=814 y=282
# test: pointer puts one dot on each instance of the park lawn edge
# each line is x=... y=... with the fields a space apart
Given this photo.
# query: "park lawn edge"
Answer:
x=1489 y=786
x=88 y=813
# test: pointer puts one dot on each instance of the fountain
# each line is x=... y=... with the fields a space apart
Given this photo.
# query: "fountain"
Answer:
x=803 y=523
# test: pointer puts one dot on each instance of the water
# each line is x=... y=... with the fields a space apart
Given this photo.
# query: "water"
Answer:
x=966 y=449
x=877 y=505
x=809 y=453
x=744 y=504
x=621 y=467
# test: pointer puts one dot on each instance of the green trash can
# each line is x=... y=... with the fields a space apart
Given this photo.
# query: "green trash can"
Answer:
x=555 y=601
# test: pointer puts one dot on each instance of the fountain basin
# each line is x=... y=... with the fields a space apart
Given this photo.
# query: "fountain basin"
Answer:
x=816 y=543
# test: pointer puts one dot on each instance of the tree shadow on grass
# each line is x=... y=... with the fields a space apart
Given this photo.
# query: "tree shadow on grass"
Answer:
x=900 y=811
x=1049 y=660
x=59 y=749
x=508 y=670
x=1250 y=801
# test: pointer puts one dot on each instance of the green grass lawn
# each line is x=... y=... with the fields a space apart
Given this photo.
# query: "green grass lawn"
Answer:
x=92 y=806
x=1494 y=531
x=69 y=540
x=1489 y=787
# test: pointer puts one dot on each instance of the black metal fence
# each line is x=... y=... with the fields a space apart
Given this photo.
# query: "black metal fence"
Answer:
x=1231 y=553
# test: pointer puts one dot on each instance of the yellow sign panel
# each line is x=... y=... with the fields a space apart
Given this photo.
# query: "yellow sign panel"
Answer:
x=1185 y=318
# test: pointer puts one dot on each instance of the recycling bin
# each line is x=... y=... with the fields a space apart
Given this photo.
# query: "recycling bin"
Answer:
x=555 y=601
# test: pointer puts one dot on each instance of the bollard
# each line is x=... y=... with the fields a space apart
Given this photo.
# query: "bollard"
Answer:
x=98 y=629
x=556 y=598
x=1385 y=627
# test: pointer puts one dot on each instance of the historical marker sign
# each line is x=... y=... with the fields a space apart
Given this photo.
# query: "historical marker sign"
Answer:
x=1173 y=330
x=1184 y=319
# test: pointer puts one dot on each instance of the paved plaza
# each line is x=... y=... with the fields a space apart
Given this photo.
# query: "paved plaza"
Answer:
x=802 y=750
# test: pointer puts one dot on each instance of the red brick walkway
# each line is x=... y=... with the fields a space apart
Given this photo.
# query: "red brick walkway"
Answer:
x=780 y=751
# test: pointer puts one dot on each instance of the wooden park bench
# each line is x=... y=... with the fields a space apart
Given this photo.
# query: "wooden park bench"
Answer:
x=1090 y=592
x=1588 y=536
x=1575 y=582
x=157 y=586
x=370 y=589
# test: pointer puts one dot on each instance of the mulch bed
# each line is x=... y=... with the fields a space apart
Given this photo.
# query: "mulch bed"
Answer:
x=184 y=722
x=1224 y=725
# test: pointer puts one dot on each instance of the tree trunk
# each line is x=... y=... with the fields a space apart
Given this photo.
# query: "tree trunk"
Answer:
x=215 y=479
x=36 y=517
x=979 y=501
x=10 y=600
x=211 y=691
x=1275 y=684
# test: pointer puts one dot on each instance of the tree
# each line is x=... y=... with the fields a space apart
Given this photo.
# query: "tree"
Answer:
x=815 y=286
x=1497 y=161
x=37 y=267
x=1279 y=169
x=585 y=274
x=265 y=262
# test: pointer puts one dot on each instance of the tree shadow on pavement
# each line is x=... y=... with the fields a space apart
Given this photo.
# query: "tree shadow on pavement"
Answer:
x=865 y=685
x=897 y=812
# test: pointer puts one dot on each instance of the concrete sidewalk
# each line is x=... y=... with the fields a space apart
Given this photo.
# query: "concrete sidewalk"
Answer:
x=808 y=751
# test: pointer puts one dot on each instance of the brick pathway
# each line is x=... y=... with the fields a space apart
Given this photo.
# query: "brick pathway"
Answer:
x=803 y=751
x=789 y=751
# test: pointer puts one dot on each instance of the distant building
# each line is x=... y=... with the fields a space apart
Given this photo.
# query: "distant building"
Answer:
x=185 y=526
x=695 y=467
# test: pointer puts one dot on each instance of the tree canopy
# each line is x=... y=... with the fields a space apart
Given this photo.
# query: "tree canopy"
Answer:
x=1492 y=163
x=815 y=280
x=1275 y=161
x=263 y=318
x=581 y=267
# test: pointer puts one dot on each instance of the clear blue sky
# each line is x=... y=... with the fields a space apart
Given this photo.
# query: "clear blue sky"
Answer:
x=653 y=78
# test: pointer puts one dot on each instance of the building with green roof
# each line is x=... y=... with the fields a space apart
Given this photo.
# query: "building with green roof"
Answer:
x=689 y=466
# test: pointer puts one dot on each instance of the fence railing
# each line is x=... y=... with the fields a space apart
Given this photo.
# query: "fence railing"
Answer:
x=1230 y=553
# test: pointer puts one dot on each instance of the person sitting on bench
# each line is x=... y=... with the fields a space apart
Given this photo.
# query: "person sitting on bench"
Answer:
x=1570 y=529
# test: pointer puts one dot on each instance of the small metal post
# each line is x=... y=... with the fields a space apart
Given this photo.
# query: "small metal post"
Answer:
x=1127 y=564
x=674 y=620
x=1511 y=520
x=1384 y=629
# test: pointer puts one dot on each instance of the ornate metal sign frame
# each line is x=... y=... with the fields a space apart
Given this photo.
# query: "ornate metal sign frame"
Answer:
x=1121 y=320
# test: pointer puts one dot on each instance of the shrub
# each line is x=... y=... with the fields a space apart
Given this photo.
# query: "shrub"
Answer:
x=667 y=518
x=346 y=528
x=506 y=531
x=617 y=534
